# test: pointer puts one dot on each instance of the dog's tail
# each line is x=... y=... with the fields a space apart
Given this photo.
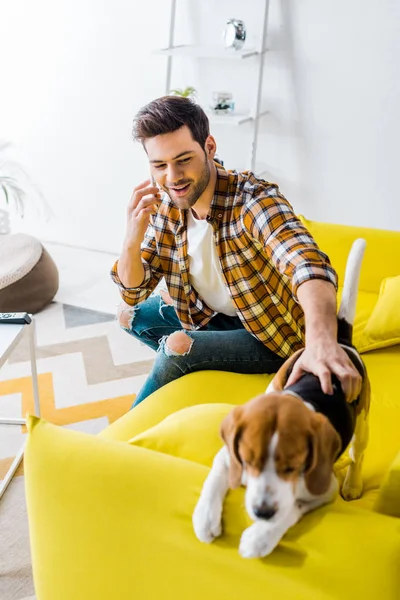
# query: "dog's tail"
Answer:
x=347 y=308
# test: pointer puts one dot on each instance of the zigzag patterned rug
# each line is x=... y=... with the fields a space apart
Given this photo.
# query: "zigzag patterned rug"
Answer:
x=89 y=372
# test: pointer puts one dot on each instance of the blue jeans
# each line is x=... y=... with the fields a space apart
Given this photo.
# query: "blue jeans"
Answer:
x=222 y=345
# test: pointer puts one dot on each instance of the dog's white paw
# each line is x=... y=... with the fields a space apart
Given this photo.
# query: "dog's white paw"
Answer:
x=258 y=540
x=352 y=487
x=207 y=520
x=349 y=492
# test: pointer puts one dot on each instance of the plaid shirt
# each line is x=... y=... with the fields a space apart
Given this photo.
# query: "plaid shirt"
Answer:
x=265 y=253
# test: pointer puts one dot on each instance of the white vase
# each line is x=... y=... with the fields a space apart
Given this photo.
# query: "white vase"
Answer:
x=5 y=222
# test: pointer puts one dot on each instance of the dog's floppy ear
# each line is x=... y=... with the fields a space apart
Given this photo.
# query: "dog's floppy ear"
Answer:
x=230 y=433
x=280 y=378
x=325 y=445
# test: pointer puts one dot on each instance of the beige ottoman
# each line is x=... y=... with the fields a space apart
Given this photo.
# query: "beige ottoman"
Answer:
x=28 y=274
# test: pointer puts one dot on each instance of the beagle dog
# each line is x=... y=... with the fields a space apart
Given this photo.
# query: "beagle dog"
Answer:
x=282 y=445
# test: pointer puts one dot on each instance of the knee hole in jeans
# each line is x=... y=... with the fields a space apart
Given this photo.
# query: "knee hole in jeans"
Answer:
x=178 y=343
x=125 y=315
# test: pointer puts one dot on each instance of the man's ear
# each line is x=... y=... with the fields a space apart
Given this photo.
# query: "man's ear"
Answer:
x=210 y=147
x=325 y=445
x=230 y=432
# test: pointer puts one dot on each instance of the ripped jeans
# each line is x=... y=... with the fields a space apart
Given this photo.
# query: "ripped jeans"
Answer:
x=222 y=345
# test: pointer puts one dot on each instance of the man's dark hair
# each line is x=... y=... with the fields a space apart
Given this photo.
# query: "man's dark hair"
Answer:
x=169 y=113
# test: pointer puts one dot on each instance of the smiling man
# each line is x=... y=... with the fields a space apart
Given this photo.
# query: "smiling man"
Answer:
x=246 y=283
x=200 y=175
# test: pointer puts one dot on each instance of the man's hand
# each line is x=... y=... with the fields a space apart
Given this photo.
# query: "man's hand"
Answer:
x=324 y=357
x=141 y=206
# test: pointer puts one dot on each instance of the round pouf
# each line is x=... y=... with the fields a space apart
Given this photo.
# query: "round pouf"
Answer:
x=28 y=274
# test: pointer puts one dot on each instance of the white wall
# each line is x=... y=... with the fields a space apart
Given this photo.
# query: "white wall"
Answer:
x=345 y=70
x=76 y=72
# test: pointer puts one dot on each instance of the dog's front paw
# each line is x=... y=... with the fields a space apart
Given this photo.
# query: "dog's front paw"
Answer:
x=207 y=520
x=352 y=486
x=258 y=540
x=351 y=492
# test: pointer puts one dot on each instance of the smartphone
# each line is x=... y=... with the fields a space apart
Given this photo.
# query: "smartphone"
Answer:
x=153 y=182
x=156 y=204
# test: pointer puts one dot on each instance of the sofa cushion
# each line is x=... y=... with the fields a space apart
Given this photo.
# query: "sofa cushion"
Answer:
x=366 y=302
x=381 y=254
x=203 y=387
x=383 y=326
x=380 y=263
x=191 y=433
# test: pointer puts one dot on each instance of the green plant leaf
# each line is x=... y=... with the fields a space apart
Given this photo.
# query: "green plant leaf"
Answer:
x=16 y=185
x=188 y=91
x=4 y=188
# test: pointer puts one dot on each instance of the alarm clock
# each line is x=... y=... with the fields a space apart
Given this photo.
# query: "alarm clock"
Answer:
x=234 y=34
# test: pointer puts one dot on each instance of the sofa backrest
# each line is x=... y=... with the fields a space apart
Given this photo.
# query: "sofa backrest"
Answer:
x=382 y=253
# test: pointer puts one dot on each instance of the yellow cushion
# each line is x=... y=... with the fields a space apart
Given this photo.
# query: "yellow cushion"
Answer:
x=184 y=432
x=204 y=387
x=376 y=325
x=112 y=520
x=388 y=499
x=366 y=302
x=381 y=254
x=383 y=327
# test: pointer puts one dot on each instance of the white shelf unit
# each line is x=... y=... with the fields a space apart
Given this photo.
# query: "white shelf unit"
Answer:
x=186 y=50
x=235 y=118
x=254 y=114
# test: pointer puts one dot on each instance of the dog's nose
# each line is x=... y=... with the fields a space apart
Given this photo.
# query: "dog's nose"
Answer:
x=264 y=511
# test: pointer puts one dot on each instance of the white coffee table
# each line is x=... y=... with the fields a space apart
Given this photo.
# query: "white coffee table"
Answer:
x=10 y=337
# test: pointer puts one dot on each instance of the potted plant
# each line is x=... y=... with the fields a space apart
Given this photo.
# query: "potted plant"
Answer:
x=188 y=92
x=15 y=189
x=28 y=275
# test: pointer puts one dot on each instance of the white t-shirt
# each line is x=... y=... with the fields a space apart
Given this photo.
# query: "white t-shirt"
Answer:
x=204 y=268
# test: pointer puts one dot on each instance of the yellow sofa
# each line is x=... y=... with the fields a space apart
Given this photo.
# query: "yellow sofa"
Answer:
x=110 y=515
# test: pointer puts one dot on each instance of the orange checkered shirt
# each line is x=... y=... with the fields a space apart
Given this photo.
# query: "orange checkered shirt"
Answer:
x=265 y=253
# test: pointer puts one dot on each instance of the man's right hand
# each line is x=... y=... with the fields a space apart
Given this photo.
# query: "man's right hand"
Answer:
x=143 y=203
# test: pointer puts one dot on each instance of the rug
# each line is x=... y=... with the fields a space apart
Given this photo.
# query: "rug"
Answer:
x=89 y=372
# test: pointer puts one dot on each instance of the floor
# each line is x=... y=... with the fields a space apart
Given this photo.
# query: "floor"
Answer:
x=85 y=278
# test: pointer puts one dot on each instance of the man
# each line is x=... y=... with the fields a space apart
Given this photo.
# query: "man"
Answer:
x=247 y=284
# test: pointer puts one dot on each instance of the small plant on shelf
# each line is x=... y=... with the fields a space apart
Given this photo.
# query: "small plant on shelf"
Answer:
x=189 y=92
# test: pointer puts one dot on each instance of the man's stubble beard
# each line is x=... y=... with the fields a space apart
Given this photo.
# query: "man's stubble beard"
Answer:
x=200 y=186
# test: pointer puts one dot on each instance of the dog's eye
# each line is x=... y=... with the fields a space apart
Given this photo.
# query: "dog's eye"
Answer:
x=288 y=470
